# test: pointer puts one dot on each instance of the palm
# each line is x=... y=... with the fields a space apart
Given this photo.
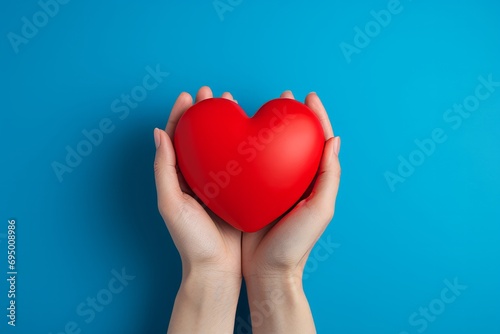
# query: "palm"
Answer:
x=286 y=244
x=199 y=234
x=281 y=245
x=210 y=237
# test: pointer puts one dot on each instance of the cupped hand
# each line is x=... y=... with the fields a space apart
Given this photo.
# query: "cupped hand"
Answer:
x=207 y=245
x=281 y=249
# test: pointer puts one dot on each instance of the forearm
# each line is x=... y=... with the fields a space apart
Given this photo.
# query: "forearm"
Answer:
x=279 y=305
x=205 y=304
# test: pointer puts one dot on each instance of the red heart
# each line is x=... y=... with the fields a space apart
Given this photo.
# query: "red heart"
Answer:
x=249 y=171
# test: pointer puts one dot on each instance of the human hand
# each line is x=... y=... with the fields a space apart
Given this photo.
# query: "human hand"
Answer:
x=210 y=249
x=273 y=259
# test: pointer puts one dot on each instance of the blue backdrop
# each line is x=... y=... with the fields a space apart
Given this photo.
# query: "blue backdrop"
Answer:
x=412 y=87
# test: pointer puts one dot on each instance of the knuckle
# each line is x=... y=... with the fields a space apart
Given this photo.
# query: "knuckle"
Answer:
x=156 y=167
x=323 y=210
x=162 y=207
x=329 y=212
x=337 y=173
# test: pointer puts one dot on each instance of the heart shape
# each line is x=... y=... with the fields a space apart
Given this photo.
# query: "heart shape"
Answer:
x=249 y=171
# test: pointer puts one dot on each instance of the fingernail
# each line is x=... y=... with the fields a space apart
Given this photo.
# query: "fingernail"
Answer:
x=156 y=133
x=336 y=145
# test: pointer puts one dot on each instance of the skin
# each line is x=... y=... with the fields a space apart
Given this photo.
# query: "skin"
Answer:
x=215 y=256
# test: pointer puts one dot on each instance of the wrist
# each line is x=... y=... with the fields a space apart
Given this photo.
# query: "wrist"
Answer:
x=283 y=284
x=273 y=277
x=210 y=281
x=207 y=294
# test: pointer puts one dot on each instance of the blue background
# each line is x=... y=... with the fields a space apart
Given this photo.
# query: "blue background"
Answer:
x=394 y=248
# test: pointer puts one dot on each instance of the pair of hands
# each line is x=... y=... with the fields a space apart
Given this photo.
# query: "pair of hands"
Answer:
x=215 y=256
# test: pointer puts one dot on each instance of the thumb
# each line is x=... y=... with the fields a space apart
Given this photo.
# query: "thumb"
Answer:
x=325 y=190
x=167 y=183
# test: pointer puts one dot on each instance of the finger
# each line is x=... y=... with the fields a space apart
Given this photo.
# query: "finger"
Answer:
x=324 y=193
x=313 y=102
x=183 y=102
x=167 y=183
x=228 y=96
x=204 y=93
x=287 y=94
x=309 y=188
x=183 y=184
